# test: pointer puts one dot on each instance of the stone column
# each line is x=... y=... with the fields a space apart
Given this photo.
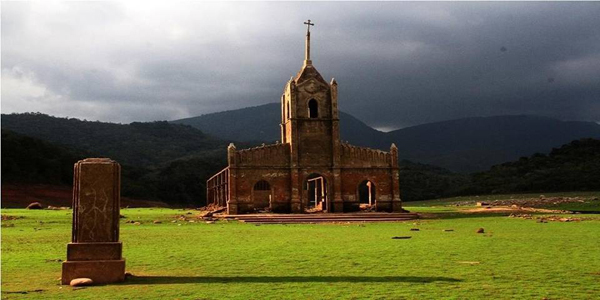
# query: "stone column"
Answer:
x=396 y=201
x=338 y=203
x=296 y=189
x=95 y=251
x=231 y=196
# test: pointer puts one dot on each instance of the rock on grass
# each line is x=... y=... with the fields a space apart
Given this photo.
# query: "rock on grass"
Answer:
x=81 y=282
x=34 y=205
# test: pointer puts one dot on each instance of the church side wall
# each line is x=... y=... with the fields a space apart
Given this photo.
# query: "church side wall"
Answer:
x=279 y=182
x=277 y=155
x=361 y=157
x=269 y=163
x=351 y=179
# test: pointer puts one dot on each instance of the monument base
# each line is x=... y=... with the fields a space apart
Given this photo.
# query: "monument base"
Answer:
x=101 y=262
x=99 y=271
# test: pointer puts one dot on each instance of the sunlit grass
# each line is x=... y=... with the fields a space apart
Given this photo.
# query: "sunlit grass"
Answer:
x=446 y=258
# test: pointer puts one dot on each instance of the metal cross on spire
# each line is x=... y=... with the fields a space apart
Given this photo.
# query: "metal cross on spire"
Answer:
x=307 y=50
x=308 y=24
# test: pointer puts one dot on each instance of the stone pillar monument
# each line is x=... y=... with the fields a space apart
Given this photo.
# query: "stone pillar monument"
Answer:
x=95 y=251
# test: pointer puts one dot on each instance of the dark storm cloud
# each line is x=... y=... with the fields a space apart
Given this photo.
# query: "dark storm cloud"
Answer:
x=397 y=64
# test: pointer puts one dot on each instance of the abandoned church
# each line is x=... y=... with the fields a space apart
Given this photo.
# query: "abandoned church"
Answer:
x=310 y=169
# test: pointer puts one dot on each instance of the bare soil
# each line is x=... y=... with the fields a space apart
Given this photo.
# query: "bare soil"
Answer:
x=21 y=195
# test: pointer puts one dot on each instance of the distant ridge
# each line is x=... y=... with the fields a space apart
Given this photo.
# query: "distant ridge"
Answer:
x=261 y=124
x=160 y=161
x=476 y=144
x=171 y=162
x=142 y=144
x=462 y=145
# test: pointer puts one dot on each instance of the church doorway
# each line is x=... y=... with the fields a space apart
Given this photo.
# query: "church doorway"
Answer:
x=316 y=187
x=366 y=193
x=261 y=195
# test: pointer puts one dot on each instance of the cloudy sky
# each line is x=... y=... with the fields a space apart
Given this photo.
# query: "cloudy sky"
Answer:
x=397 y=64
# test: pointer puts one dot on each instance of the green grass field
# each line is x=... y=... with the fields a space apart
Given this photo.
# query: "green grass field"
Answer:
x=514 y=258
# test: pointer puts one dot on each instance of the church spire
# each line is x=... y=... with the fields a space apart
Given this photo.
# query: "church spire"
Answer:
x=307 y=60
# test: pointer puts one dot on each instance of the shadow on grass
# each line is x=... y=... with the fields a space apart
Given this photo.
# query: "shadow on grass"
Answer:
x=280 y=279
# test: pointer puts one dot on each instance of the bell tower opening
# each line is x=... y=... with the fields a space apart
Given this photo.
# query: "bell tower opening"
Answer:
x=313 y=109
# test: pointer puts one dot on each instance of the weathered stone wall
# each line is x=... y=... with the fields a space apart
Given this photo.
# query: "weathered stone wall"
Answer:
x=314 y=143
x=276 y=155
x=380 y=177
x=361 y=157
x=278 y=179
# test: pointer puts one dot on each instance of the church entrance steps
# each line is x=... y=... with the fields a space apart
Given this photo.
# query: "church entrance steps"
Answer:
x=320 y=218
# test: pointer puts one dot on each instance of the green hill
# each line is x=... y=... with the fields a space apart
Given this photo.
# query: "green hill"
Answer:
x=139 y=144
x=160 y=161
x=572 y=167
x=30 y=160
x=171 y=162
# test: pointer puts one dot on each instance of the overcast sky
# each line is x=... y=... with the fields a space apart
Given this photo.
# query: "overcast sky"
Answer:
x=397 y=64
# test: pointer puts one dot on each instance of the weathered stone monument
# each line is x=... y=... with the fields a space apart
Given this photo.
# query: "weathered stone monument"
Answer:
x=95 y=251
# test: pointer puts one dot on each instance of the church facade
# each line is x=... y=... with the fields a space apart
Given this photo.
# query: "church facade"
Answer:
x=310 y=169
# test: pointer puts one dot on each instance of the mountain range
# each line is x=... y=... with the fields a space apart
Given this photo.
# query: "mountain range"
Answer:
x=160 y=160
x=462 y=145
x=170 y=162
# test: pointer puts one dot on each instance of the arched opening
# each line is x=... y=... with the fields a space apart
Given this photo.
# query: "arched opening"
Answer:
x=313 y=108
x=316 y=187
x=289 y=112
x=366 y=193
x=261 y=195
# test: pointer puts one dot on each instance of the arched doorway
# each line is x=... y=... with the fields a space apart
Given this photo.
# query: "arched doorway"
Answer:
x=316 y=187
x=366 y=193
x=261 y=195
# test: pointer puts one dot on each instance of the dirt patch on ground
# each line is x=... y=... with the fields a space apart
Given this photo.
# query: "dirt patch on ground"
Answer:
x=512 y=209
x=21 y=195
x=541 y=201
x=553 y=218
x=10 y=218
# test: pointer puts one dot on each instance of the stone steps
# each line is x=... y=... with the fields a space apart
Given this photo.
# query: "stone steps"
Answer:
x=321 y=218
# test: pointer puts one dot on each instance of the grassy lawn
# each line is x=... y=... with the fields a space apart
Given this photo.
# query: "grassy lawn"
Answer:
x=514 y=258
x=586 y=206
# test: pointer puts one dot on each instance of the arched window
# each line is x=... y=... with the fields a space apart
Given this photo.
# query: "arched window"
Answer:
x=313 y=108
x=262 y=186
x=289 y=111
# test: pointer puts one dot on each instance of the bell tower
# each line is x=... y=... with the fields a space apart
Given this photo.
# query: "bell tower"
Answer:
x=309 y=116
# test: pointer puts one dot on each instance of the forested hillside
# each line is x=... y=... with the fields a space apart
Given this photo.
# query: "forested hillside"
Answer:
x=572 y=167
x=140 y=144
x=171 y=163
x=178 y=181
x=30 y=160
